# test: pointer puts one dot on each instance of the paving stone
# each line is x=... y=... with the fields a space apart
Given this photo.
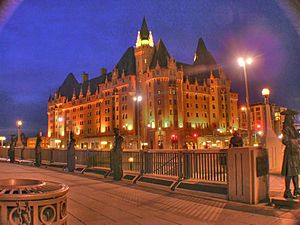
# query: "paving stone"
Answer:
x=100 y=201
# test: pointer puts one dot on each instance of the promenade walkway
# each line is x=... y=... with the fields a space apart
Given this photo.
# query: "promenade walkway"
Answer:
x=97 y=201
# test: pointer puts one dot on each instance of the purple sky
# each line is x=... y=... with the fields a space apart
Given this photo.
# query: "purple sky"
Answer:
x=42 y=41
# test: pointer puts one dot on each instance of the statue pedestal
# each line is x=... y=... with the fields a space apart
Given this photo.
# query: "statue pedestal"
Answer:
x=286 y=203
x=247 y=175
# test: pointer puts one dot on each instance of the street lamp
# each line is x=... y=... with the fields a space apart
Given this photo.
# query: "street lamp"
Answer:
x=19 y=125
x=243 y=63
x=266 y=93
x=138 y=99
x=130 y=160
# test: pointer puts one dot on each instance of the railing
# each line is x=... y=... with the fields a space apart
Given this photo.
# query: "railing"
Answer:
x=203 y=165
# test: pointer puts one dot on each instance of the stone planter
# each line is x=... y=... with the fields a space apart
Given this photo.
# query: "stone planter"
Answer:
x=35 y=202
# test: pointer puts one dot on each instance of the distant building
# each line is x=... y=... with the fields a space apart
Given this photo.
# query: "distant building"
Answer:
x=178 y=101
x=31 y=142
x=257 y=116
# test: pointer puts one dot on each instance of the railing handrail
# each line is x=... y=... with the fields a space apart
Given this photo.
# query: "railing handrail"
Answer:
x=209 y=150
x=200 y=164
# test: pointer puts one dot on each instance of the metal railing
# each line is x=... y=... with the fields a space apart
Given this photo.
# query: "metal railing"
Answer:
x=203 y=165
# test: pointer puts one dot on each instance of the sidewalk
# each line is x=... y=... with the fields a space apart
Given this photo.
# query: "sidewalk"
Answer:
x=96 y=201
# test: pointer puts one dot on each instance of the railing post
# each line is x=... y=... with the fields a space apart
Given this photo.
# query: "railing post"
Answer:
x=22 y=153
x=180 y=166
x=51 y=156
x=142 y=166
x=187 y=159
x=111 y=160
x=147 y=162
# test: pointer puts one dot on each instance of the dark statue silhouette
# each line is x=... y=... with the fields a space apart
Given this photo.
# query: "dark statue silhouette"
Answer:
x=71 y=153
x=236 y=140
x=116 y=155
x=38 y=151
x=11 y=151
x=291 y=160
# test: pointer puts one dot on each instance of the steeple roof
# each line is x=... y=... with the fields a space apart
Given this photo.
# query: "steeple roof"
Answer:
x=202 y=55
x=144 y=30
x=161 y=55
x=127 y=62
x=69 y=83
x=71 y=86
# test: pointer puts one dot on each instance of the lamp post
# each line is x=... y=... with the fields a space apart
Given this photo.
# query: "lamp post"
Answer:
x=243 y=63
x=138 y=99
x=266 y=93
x=130 y=160
x=19 y=125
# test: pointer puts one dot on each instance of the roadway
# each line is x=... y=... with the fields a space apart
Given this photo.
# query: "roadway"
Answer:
x=96 y=200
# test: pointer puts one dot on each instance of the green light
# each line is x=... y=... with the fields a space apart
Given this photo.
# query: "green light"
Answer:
x=145 y=42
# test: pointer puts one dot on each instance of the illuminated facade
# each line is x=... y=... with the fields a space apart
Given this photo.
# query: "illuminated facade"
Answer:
x=258 y=121
x=179 y=101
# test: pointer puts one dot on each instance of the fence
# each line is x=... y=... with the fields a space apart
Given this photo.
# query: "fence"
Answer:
x=202 y=165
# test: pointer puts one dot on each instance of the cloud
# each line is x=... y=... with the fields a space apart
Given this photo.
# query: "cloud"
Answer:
x=7 y=7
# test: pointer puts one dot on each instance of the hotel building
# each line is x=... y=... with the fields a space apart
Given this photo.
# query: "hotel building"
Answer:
x=152 y=98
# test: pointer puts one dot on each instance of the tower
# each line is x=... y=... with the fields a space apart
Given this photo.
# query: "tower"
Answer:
x=144 y=49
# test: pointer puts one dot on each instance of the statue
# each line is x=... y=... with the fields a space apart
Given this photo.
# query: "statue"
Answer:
x=291 y=160
x=38 y=151
x=236 y=140
x=116 y=155
x=11 y=151
x=71 y=153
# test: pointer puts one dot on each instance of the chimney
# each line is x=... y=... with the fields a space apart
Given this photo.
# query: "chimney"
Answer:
x=85 y=77
x=103 y=71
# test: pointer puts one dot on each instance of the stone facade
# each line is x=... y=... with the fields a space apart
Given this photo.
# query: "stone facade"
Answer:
x=178 y=101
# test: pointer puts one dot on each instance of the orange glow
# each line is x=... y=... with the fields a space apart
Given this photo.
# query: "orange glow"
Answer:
x=19 y=123
x=265 y=92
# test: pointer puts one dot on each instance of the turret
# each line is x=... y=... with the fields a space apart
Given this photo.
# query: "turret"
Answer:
x=144 y=37
x=202 y=55
x=85 y=77
x=144 y=48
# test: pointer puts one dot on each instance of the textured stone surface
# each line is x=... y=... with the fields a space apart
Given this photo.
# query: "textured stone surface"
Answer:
x=99 y=201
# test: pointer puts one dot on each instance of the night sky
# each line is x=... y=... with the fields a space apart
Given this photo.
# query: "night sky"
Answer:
x=42 y=41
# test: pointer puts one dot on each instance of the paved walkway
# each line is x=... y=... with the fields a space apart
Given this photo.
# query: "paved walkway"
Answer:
x=96 y=201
